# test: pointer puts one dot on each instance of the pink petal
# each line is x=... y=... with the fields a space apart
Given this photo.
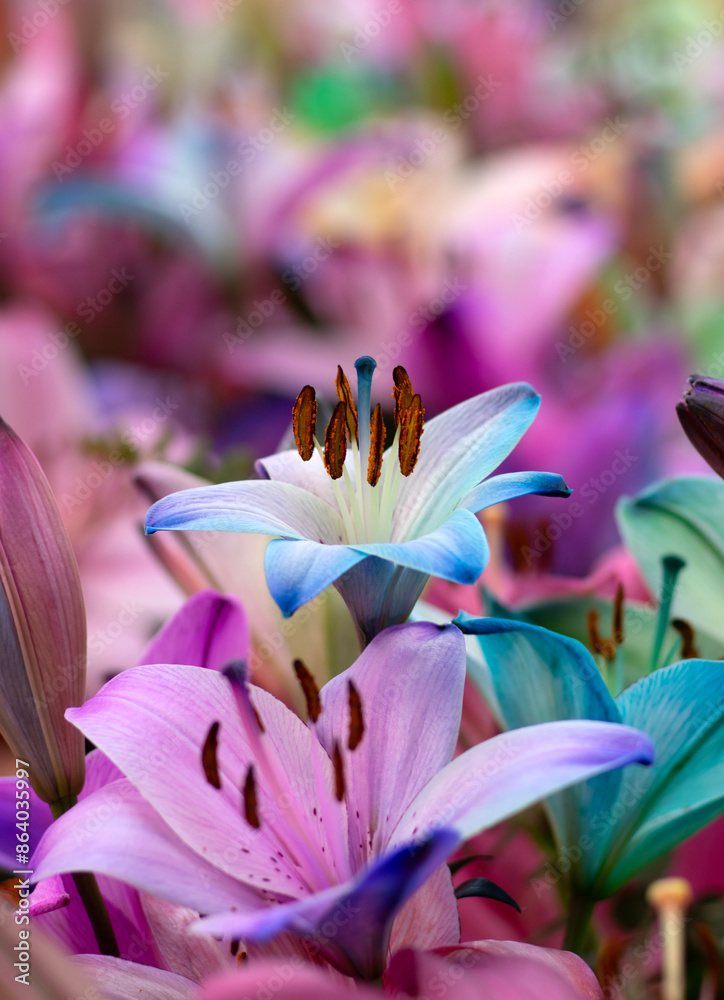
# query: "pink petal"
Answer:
x=410 y=680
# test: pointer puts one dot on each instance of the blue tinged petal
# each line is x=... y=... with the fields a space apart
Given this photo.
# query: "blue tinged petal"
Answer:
x=682 y=709
x=460 y=448
x=509 y=772
x=270 y=508
x=561 y=681
x=513 y=484
x=361 y=911
x=297 y=571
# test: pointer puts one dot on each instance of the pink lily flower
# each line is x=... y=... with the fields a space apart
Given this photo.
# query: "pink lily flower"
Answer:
x=504 y=970
x=42 y=624
x=341 y=829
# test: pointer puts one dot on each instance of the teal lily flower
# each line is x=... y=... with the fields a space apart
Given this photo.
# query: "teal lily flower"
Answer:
x=376 y=524
x=611 y=827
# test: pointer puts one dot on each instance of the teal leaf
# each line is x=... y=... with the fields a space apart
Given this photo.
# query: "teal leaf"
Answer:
x=611 y=827
x=682 y=517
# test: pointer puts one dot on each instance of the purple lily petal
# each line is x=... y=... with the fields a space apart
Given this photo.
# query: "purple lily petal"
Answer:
x=430 y=918
x=459 y=449
x=289 y=982
x=513 y=484
x=266 y=507
x=210 y=630
x=410 y=680
x=353 y=921
x=115 y=832
x=500 y=969
x=48 y=896
x=154 y=700
x=118 y=979
x=510 y=772
x=40 y=818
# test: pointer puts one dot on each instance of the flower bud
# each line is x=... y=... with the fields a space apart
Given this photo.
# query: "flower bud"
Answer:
x=701 y=413
x=42 y=627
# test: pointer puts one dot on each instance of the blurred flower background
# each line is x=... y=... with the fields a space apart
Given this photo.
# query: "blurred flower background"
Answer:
x=206 y=204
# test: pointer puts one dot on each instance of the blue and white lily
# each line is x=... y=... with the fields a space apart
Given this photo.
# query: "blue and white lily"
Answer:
x=378 y=537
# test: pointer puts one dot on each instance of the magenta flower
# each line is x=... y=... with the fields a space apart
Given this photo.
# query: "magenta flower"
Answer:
x=336 y=831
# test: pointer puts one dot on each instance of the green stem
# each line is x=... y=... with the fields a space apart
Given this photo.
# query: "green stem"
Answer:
x=580 y=911
x=90 y=895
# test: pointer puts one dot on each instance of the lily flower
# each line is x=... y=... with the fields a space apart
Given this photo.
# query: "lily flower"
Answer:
x=376 y=524
x=701 y=414
x=336 y=831
x=42 y=626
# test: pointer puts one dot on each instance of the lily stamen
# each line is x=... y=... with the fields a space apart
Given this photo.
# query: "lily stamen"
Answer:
x=356 y=720
x=208 y=756
x=304 y=422
x=310 y=690
x=251 y=811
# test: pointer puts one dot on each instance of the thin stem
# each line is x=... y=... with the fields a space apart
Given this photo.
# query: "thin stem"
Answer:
x=672 y=566
x=95 y=907
x=580 y=911
x=90 y=895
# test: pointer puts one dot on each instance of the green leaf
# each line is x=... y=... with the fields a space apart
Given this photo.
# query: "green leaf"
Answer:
x=682 y=517
x=612 y=826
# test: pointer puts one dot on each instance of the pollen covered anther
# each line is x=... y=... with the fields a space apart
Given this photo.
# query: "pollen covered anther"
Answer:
x=250 y=804
x=310 y=689
x=335 y=442
x=402 y=392
x=688 y=644
x=345 y=396
x=339 y=786
x=356 y=720
x=304 y=422
x=604 y=647
x=208 y=756
x=378 y=432
x=618 y=615
x=411 y=428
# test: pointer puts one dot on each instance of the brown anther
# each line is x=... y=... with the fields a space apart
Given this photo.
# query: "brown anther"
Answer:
x=688 y=644
x=338 y=772
x=604 y=647
x=259 y=723
x=402 y=392
x=310 y=689
x=618 y=615
x=356 y=720
x=242 y=958
x=335 y=442
x=208 y=756
x=304 y=422
x=411 y=429
x=378 y=432
x=235 y=947
x=250 y=806
x=345 y=395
